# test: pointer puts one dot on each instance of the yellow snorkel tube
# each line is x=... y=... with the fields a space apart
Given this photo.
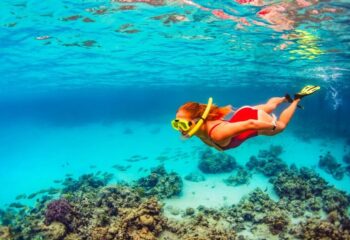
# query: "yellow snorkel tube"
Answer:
x=201 y=121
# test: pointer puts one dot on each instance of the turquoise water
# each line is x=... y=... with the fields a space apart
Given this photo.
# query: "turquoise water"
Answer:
x=87 y=85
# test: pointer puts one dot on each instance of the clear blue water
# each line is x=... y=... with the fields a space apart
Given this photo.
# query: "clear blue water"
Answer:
x=81 y=91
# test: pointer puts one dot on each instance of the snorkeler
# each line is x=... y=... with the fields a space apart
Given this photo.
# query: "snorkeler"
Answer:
x=206 y=121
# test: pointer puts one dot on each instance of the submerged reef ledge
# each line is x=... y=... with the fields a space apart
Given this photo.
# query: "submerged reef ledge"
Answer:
x=89 y=208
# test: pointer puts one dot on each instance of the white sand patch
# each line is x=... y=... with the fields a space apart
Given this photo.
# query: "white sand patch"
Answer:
x=214 y=193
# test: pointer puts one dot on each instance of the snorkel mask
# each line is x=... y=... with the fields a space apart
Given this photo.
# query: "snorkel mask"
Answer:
x=185 y=125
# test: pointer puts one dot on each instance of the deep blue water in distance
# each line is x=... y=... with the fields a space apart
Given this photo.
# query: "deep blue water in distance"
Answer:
x=76 y=93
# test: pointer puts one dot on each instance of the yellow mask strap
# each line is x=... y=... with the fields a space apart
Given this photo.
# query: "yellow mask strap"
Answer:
x=201 y=121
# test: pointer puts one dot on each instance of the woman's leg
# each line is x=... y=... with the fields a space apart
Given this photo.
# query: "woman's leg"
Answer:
x=271 y=104
x=283 y=120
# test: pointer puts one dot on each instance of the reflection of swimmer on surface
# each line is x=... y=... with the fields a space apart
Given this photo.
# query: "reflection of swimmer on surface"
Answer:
x=279 y=16
x=307 y=45
x=285 y=15
x=219 y=13
x=206 y=121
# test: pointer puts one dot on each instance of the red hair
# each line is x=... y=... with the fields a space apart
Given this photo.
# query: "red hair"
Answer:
x=196 y=110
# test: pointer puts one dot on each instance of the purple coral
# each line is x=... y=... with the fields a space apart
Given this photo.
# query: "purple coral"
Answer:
x=59 y=210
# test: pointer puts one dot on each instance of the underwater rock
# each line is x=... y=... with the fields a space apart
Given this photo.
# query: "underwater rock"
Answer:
x=268 y=162
x=189 y=212
x=210 y=162
x=331 y=166
x=160 y=183
x=173 y=210
x=194 y=177
x=61 y=211
x=241 y=177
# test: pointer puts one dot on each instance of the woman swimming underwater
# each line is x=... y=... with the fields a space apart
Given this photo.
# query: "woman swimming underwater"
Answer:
x=206 y=121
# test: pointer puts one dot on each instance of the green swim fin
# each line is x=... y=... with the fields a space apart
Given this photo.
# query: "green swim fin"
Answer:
x=307 y=90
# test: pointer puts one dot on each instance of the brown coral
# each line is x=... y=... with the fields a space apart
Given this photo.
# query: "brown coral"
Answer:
x=5 y=233
x=55 y=231
x=321 y=229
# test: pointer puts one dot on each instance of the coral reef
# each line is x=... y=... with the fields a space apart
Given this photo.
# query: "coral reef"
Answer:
x=207 y=224
x=315 y=228
x=252 y=208
x=88 y=208
x=331 y=166
x=242 y=176
x=268 y=162
x=305 y=184
x=277 y=221
x=300 y=185
x=210 y=162
x=160 y=183
x=59 y=210
x=93 y=211
x=5 y=232
x=86 y=182
x=54 y=231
